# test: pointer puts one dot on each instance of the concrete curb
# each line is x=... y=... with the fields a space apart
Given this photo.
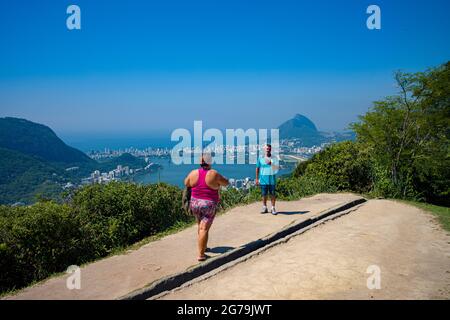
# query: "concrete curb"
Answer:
x=174 y=281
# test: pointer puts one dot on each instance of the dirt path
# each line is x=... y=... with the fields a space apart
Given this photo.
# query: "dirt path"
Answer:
x=331 y=260
x=119 y=275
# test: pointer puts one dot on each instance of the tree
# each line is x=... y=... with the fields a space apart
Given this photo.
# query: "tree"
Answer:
x=408 y=134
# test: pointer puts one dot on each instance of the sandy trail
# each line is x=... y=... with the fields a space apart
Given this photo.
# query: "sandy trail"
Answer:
x=331 y=260
x=116 y=276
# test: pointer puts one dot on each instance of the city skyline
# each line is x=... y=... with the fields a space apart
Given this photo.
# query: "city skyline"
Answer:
x=148 y=67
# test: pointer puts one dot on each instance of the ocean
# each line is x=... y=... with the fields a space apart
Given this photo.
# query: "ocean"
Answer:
x=88 y=143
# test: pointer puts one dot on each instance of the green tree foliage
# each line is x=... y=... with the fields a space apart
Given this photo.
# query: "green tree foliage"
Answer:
x=119 y=214
x=407 y=136
x=343 y=165
x=47 y=237
x=22 y=177
x=297 y=187
x=402 y=147
x=39 y=240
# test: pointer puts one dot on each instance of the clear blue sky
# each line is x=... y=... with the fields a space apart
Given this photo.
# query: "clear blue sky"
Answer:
x=139 y=66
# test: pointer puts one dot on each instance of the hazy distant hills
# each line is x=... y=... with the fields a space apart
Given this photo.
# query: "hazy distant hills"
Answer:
x=33 y=161
x=303 y=129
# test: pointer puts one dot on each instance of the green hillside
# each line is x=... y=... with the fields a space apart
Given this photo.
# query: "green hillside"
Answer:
x=125 y=159
x=23 y=177
x=38 y=140
x=33 y=162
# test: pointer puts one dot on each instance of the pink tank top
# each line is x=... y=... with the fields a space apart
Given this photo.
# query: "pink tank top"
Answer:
x=201 y=189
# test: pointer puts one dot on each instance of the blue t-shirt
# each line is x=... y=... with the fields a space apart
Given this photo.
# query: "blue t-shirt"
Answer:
x=267 y=174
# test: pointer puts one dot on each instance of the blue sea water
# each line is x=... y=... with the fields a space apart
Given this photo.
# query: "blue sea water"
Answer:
x=175 y=174
x=88 y=143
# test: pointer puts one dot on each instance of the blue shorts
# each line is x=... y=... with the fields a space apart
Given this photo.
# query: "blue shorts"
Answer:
x=267 y=189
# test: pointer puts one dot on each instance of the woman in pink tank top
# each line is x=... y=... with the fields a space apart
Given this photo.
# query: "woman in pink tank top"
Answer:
x=201 y=190
x=205 y=184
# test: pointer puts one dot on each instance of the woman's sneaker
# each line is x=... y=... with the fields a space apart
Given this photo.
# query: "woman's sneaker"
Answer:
x=264 y=209
x=273 y=211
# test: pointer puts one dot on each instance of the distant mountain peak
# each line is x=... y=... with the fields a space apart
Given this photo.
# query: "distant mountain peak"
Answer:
x=301 y=120
x=303 y=129
x=300 y=127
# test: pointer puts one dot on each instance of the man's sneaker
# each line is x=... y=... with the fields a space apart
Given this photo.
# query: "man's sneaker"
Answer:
x=273 y=211
x=264 y=209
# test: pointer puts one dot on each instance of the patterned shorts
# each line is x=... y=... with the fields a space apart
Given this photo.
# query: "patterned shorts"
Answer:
x=204 y=210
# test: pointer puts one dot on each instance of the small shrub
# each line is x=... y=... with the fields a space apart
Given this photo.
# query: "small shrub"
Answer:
x=37 y=241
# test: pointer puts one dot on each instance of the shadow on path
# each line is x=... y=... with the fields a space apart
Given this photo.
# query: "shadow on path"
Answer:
x=292 y=212
x=219 y=249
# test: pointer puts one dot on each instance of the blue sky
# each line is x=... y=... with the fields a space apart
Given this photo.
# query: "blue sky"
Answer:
x=141 y=66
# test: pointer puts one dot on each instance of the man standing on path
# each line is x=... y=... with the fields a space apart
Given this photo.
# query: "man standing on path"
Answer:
x=266 y=169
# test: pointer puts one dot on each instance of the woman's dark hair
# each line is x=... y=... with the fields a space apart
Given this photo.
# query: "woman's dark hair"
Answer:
x=204 y=164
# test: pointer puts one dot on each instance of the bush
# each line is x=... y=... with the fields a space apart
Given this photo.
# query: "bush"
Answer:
x=306 y=185
x=37 y=241
x=408 y=137
x=45 y=238
x=341 y=166
x=118 y=214
x=231 y=197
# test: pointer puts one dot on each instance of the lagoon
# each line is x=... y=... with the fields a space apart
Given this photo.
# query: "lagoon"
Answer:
x=175 y=174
